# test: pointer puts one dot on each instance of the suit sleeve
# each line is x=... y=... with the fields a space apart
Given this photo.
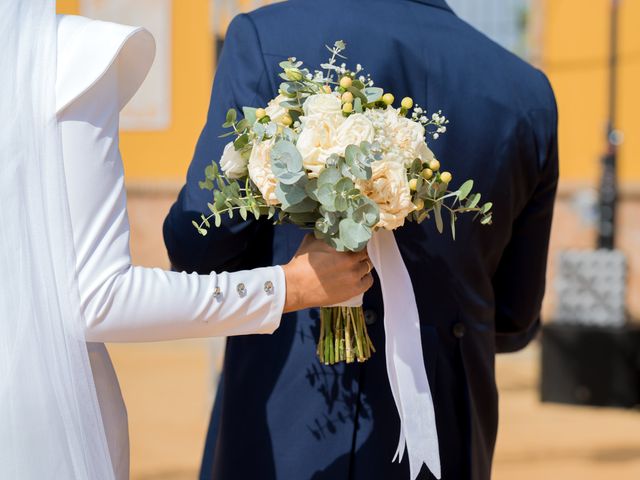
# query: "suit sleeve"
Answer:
x=241 y=80
x=519 y=281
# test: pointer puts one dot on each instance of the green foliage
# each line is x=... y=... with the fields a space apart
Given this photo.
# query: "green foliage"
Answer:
x=331 y=205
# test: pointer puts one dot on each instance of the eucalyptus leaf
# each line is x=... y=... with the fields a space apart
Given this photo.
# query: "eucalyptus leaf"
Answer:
x=249 y=114
x=465 y=189
x=357 y=93
x=241 y=141
x=305 y=206
x=367 y=213
x=373 y=94
x=286 y=162
x=357 y=105
x=472 y=201
x=291 y=194
x=438 y=216
x=326 y=195
x=486 y=207
x=211 y=171
x=206 y=185
x=232 y=115
x=453 y=225
x=330 y=175
x=359 y=164
x=354 y=235
x=312 y=188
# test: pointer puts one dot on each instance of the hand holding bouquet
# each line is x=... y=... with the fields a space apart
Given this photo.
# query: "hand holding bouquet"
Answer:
x=331 y=154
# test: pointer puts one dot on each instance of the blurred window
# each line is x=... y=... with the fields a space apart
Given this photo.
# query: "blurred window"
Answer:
x=507 y=22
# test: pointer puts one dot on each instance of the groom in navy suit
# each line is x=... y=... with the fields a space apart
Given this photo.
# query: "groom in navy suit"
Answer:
x=279 y=413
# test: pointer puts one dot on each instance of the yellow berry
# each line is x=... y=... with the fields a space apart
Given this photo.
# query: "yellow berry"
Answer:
x=407 y=103
x=413 y=184
x=434 y=165
x=347 y=97
x=427 y=173
x=419 y=203
x=446 y=177
x=347 y=107
x=346 y=82
x=326 y=88
x=261 y=113
x=286 y=120
x=388 y=98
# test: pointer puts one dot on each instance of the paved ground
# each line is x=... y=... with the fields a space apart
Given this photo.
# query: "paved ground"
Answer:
x=165 y=386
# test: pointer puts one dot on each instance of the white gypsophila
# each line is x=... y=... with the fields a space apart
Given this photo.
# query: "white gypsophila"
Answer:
x=322 y=104
x=389 y=189
x=317 y=141
x=259 y=169
x=232 y=163
x=275 y=111
x=356 y=129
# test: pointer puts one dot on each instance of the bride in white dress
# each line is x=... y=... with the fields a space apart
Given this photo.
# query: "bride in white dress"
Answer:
x=58 y=418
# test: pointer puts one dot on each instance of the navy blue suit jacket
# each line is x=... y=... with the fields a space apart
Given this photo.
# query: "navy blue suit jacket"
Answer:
x=280 y=414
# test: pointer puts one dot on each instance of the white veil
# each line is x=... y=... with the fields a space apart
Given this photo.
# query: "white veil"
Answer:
x=50 y=423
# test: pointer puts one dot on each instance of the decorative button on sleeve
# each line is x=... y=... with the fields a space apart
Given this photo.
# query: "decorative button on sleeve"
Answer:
x=242 y=290
x=268 y=287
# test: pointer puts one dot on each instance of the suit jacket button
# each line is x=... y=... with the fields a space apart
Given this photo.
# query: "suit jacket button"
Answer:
x=459 y=330
x=370 y=317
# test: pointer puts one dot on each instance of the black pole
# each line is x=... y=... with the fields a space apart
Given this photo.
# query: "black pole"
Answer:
x=608 y=185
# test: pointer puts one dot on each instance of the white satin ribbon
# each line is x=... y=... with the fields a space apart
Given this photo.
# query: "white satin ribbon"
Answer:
x=405 y=359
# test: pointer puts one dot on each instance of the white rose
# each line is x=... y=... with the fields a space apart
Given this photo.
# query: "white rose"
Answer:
x=408 y=137
x=232 y=163
x=389 y=189
x=353 y=131
x=322 y=104
x=259 y=168
x=275 y=111
x=316 y=142
x=402 y=138
x=424 y=153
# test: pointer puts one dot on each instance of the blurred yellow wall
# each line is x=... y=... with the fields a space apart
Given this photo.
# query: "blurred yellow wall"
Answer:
x=575 y=56
x=165 y=154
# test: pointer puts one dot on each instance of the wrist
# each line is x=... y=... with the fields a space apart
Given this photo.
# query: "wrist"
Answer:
x=292 y=297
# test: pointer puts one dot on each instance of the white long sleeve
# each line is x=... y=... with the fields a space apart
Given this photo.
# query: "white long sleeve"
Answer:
x=145 y=304
x=100 y=67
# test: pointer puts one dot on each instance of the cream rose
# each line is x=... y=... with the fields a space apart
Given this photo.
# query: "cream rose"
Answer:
x=232 y=163
x=316 y=142
x=259 y=168
x=276 y=112
x=389 y=188
x=353 y=131
x=322 y=104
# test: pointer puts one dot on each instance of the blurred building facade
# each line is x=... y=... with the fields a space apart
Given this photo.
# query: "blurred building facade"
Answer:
x=568 y=39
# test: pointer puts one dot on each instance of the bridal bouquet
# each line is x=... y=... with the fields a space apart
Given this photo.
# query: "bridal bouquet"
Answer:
x=333 y=155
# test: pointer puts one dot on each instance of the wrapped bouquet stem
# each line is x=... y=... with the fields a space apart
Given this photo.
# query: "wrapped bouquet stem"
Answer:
x=343 y=334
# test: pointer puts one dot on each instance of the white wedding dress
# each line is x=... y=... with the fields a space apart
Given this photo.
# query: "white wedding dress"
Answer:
x=100 y=67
